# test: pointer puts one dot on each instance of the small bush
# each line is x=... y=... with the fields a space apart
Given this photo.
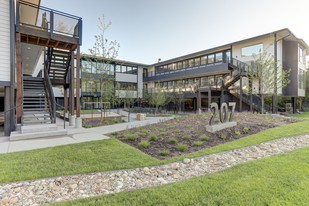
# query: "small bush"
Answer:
x=161 y=130
x=164 y=152
x=153 y=138
x=131 y=137
x=222 y=136
x=186 y=137
x=182 y=147
x=173 y=140
x=163 y=133
x=177 y=131
x=144 y=144
x=114 y=133
x=204 y=138
x=237 y=133
x=245 y=129
x=197 y=143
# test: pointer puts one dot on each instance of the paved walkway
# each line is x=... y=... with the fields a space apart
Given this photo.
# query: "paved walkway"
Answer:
x=42 y=191
x=74 y=135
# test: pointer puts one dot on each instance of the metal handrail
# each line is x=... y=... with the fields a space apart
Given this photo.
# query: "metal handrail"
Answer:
x=50 y=10
x=49 y=89
x=77 y=28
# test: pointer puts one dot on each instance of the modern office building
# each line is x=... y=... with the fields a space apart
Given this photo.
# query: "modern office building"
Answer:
x=37 y=46
x=219 y=74
x=41 y=65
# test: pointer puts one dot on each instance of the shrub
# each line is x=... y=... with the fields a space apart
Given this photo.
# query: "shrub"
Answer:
x=237 y=133
x=144 y=144
x=182 y=147
x=245 y=129
x=204 y=138
x=131 y=137
x=153 y=137
x=114 y=133
x=177 y=131
x=173 y=140
x=222 y=136
x=186 y=137
x=164 y=152
x=161 y=130
x=197 y=143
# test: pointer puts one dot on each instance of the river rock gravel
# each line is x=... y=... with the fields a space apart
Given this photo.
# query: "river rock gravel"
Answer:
x=42 y=191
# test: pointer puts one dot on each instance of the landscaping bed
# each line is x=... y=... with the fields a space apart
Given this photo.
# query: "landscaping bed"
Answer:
x=188 y=134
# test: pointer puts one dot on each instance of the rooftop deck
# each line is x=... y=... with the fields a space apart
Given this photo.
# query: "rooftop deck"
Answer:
x=46 y=27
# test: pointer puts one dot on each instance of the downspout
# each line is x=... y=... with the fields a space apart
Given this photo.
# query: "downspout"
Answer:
x=275 y=96
x=12 y=65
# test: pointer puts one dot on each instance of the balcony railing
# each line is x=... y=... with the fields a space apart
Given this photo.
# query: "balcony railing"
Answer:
x=52 y=21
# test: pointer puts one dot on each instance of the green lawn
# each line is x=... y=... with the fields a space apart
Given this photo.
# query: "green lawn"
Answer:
x=111 y=155
x=303 y=116
x=277 y=180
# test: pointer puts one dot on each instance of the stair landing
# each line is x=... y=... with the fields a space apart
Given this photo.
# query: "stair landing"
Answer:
x=37 y=131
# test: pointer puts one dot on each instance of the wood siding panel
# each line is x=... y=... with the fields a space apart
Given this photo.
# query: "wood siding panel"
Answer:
x=5 y=40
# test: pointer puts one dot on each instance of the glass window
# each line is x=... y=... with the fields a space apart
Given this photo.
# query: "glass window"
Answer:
x=129 y=69
x=203 y=60
x=118 y=68
x=197 y=62
x=211 y=59
x=219 y=57
x=191 y=63
x=250 y=50
x=123 y=69
x=179 y=65
x=185 y=64
x=228 y=56
x=301 y=79
x=301 y=55
x=170 y=67
x=211 y=80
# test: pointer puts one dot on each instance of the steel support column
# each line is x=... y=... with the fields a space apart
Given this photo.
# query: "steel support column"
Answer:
x=19 y=75
x=78 y=82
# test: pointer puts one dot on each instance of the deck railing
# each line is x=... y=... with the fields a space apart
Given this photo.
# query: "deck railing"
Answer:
x=53 y=21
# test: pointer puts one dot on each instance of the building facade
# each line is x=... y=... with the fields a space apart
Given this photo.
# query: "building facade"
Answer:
x=38 y=46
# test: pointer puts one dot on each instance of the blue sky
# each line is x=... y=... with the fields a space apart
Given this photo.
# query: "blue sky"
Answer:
x=152 y=29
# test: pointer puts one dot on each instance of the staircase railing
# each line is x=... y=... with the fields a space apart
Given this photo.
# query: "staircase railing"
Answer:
x=48 y=86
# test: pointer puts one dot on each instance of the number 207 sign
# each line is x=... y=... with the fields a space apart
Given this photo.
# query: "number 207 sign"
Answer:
x=224 y=114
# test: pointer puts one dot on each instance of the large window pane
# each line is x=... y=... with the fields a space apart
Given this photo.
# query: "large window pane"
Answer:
x=250 y=50
x=211 y=59
x=203 y=60
x=219 y=57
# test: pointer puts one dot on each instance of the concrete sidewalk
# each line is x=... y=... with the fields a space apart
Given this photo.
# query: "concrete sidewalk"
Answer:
x=74 y=135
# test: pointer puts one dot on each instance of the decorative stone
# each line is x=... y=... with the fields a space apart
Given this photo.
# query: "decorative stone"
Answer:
x=186 y=161
x=44 y=191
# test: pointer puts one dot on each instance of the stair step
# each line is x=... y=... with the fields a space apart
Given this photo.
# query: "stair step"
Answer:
x=36 y=113
x=34 y=110
x=30 y=121
x=18 y=136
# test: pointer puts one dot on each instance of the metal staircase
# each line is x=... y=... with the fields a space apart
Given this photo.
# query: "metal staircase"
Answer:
x=60 y=63
x=239 y=69
x=35 y=107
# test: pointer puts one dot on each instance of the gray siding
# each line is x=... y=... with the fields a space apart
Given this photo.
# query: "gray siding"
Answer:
x=290 y=61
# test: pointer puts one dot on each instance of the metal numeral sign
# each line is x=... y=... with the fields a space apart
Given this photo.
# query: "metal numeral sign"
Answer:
x=224 y=114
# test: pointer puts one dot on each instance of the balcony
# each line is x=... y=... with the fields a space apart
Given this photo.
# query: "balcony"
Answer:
x=46 y=27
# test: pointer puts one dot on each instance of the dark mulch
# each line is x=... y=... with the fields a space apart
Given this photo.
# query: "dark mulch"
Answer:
x=191 y=131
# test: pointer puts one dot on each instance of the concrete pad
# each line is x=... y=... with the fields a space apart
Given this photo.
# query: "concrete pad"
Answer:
x=218 y=127
x=89 y=136
x=4 y=147
x=23 y=145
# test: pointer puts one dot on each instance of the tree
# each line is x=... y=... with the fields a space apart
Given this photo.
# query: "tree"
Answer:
x=98 y=67
x=177 y=97
x=157 y=98
x=268 y=74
